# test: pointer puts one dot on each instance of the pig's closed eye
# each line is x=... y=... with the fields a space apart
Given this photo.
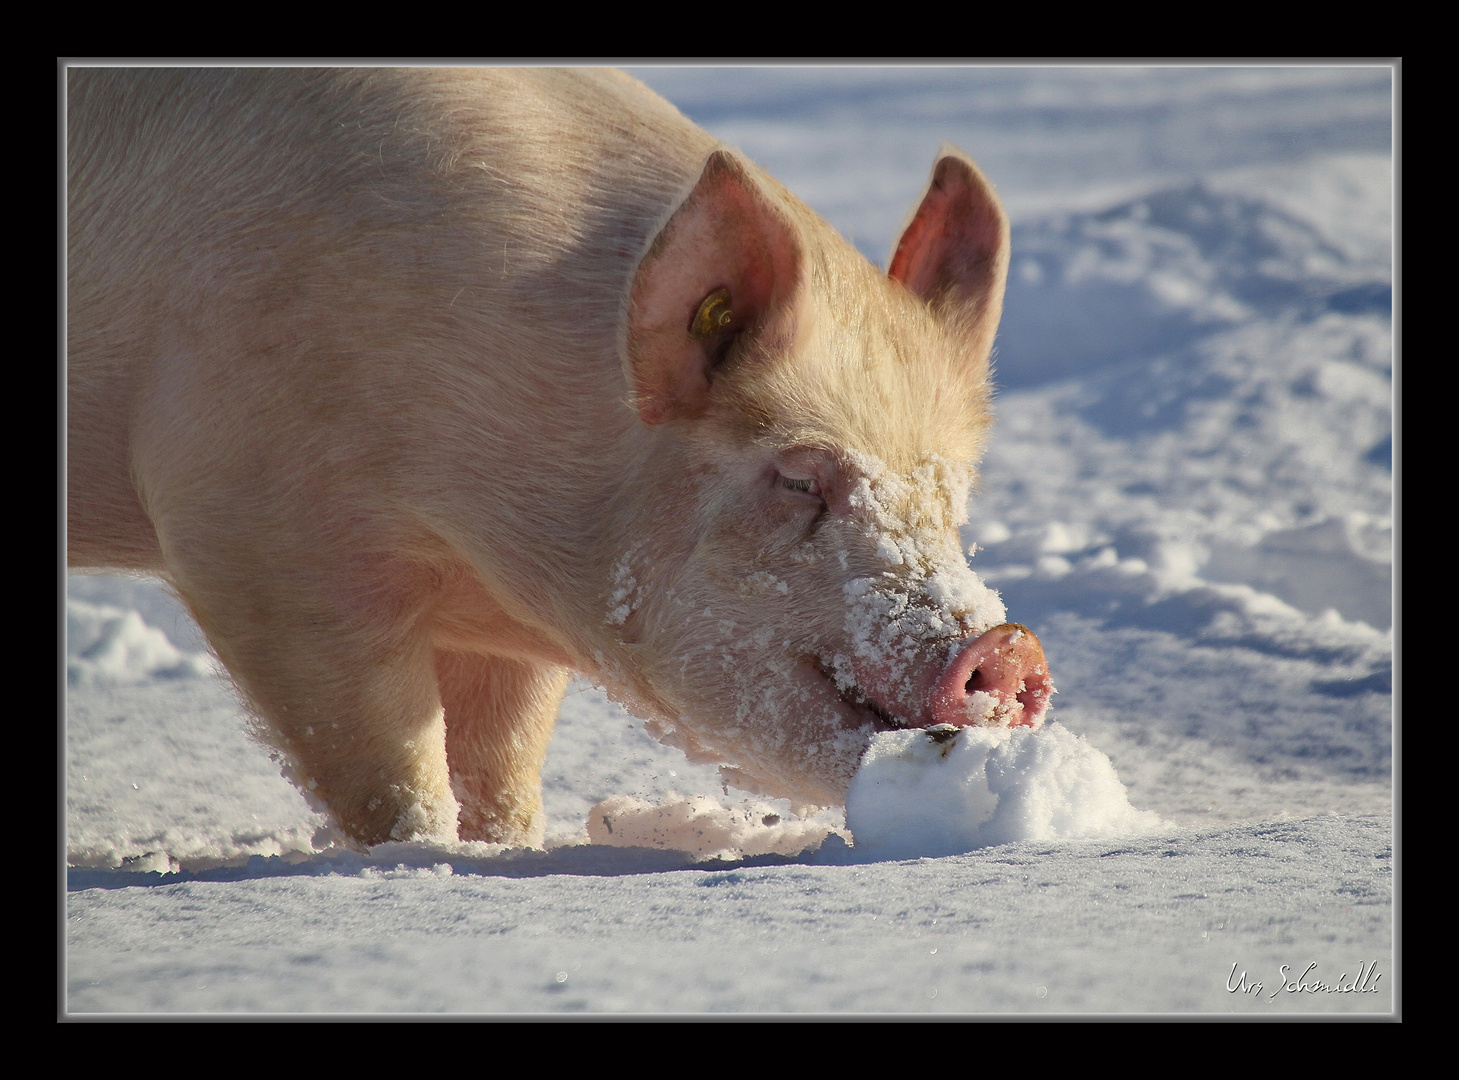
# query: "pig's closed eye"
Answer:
x=801 y=489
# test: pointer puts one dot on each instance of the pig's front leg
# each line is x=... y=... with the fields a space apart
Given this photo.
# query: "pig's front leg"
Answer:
x=499 y=718
x=341 y=677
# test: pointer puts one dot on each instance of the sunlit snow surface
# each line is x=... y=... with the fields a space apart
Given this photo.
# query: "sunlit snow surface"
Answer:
x=1188 y=496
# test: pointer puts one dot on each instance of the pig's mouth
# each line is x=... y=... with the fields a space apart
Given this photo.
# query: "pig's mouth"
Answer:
x=864 y=709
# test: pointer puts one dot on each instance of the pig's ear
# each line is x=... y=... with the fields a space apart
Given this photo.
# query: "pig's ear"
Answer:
x=953 y=251
x=726 y=263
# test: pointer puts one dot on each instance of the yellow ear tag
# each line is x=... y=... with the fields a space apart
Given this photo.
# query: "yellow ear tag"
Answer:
x=714 y=315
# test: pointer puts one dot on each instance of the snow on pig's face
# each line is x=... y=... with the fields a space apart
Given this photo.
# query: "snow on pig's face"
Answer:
x=812 y=433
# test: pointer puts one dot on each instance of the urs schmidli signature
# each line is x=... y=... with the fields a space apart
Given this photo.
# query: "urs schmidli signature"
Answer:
x=1364 y=982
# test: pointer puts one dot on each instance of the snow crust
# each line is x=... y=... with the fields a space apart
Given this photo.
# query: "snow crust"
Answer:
x=921 y=793
x=706 y=828
x=917 y=794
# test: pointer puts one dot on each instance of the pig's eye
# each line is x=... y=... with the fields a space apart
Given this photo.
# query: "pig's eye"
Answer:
x=805 y=484
x=801 y=497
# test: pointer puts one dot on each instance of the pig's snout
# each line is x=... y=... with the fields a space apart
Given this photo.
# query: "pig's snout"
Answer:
x=999 y=679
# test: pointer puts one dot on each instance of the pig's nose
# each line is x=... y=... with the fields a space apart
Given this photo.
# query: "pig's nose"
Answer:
x=999 y=679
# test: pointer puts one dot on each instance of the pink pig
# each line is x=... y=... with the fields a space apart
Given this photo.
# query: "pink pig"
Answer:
x=423 y=388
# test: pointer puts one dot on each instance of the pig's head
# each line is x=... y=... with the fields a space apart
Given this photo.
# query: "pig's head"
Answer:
x=792 y=580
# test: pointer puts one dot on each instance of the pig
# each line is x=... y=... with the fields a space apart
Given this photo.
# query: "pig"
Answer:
x=425 y=388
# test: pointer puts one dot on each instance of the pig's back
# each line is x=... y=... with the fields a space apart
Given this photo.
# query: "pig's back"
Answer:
x=248 y=247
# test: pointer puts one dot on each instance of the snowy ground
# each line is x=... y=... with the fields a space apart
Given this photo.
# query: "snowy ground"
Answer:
x=1189 y=497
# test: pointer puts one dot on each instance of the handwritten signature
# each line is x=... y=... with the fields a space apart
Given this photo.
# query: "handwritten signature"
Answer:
x=1308 y=982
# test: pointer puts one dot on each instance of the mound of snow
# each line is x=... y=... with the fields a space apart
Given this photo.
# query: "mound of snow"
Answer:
x=1343 y=562
x=703 y=826
x=949 y=791
x=108 y=645
x=1153 y=273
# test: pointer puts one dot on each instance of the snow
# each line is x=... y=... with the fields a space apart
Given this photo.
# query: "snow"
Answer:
x=947 y=791
x=108 y=644
x=1188 y=496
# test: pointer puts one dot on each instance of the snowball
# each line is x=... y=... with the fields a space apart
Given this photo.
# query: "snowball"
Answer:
x=950 y=790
